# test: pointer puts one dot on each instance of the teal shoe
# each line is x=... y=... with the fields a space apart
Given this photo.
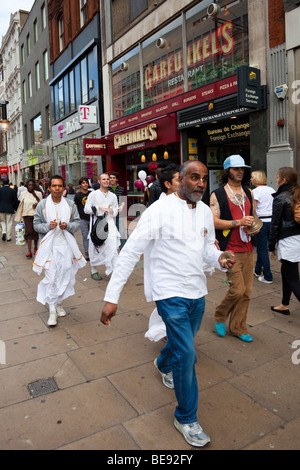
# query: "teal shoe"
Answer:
x=220 y=329
x=246 y=338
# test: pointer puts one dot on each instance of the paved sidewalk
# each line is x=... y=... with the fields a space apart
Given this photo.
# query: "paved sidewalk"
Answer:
x=109 y=394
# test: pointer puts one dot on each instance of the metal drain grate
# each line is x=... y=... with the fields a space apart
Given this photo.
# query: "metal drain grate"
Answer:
x=42 y=387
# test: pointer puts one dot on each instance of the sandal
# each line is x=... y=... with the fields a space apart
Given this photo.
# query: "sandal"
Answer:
x=29 y=255
x=96 y=276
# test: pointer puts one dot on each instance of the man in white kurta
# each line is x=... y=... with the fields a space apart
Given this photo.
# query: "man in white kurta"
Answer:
x=175 y=234
x=56 y=220
x=105 y=202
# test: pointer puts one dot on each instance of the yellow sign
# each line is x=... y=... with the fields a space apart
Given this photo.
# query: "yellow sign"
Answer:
x=138 y=135
x=193 y=146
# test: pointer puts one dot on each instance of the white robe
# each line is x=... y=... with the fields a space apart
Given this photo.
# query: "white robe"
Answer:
x=106 y=254
x=59 y=257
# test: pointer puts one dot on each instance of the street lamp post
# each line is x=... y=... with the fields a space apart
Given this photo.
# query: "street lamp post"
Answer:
x=4 y=122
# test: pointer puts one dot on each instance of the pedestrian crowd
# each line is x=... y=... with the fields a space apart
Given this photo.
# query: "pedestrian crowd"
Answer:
x=180 y=238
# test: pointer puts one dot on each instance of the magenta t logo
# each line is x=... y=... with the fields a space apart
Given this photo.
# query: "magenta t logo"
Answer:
x=60 y=131
x=85 y=110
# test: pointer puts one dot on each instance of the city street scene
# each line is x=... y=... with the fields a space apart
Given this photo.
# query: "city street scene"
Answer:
x=150 y=227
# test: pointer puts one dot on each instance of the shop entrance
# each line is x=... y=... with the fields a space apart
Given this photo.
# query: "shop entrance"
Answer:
x=214 y=142
x=147 y=160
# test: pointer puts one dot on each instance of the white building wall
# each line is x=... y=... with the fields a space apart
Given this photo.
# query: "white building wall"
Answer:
x=12 y=93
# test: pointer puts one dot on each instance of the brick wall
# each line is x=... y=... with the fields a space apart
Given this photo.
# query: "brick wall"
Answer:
x=276 y=23
x=70 y=11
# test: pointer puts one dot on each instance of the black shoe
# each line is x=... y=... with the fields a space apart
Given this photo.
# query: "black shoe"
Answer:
x=4 y=236
x=8 y=240
x=285 y=312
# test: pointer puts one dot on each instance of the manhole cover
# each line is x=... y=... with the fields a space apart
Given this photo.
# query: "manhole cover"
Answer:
x=42 y=387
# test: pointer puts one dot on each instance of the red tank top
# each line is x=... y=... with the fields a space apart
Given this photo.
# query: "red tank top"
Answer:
x=235 y=243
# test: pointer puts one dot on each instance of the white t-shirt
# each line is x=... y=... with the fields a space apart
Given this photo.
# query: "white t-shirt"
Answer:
x=264 y=202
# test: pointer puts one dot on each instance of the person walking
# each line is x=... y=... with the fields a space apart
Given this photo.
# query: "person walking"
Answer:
x=80 y=199
x=175 y=234
x=56 y=220
x=285 y=233
x=8 y=205
x=99 y=202
x=263 y=206
x=28 y=202
x=233 y=209
x=116 y=189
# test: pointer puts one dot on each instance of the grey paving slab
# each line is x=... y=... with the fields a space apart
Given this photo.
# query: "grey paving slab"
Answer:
x=110 y=396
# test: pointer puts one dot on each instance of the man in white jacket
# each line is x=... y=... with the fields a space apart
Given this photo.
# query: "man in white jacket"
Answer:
x=175 y=234
x=104 y=202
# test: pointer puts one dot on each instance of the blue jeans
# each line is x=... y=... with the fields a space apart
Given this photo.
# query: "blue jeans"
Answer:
x=263 y=260
x=182 y=318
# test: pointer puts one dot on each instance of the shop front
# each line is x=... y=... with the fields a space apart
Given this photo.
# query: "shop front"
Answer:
x=68 y=144
x=146 y=147
x=226 y=125
x=37 y=163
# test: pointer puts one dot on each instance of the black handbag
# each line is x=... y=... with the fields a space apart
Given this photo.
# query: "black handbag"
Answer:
x=99 y=230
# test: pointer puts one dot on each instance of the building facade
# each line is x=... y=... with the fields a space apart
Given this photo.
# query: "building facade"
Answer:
x=174 y=85
x=12 y=93
x=284 y=85
x=37 y=157
x=76 y=85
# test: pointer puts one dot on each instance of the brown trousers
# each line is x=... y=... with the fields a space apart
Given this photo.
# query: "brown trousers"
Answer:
x=237 y=298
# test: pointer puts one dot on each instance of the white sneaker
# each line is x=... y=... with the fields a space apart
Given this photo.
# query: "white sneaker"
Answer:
x=262 y=279
x=166 y=378
x=60 y=311
x=52 y=320
x=193 y=433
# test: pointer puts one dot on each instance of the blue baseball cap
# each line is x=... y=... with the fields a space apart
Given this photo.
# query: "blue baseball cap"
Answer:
x=235 y=161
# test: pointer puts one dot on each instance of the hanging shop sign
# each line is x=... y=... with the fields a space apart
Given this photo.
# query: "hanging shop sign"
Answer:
x=87 y=114
x=250 y=92
x=94 y=146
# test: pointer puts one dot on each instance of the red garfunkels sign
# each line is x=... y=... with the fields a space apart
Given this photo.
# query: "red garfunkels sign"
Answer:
x=211 y=45
x=94 y=147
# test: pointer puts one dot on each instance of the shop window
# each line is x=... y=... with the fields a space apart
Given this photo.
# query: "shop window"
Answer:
x=46 y=65
x=35 y=30
x=66 y=95
x=137 y=7
x=22 y=54
x=84 y=81
x=24 y=92
x=44 y=17
x=163 y=64
x=93 y=73
x=126 y=84
x=29 y=85
x=72 y=91
x=216 y=47
x=83 y=12
x=61 y=33
x=77 y=86
x=28 y=44
x=37 y=130
x=60 y=98
x=37 y=76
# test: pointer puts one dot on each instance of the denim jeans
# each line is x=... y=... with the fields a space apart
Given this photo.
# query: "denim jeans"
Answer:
x=182 y=318
x=85 y=227
x=263 y=260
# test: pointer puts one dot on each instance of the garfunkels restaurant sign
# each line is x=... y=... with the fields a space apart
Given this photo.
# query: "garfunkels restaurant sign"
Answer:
x=211 y=45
